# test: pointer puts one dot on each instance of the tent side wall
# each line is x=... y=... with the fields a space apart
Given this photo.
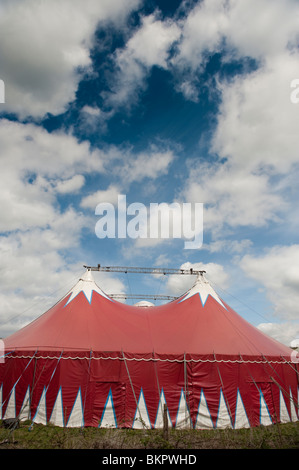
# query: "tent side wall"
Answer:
x=123 y=391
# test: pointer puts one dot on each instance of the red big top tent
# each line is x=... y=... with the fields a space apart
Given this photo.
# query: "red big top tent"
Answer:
x=93 y=361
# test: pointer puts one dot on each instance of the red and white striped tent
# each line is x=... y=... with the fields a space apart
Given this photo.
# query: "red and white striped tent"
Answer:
x=93 y=361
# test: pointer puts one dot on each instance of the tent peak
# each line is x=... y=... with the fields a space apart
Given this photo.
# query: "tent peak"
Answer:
x=87 y=276
x=87 y=285
x=203 y=288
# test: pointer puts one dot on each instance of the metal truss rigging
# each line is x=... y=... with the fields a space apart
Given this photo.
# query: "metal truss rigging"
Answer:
x=128 y=269
x=142 y=297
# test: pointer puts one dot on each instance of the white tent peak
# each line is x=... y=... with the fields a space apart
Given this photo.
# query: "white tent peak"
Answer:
x=203 y=288
x=87 y=276
x=87 y=285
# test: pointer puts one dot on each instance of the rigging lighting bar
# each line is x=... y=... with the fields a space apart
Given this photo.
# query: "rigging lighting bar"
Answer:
x=142 y=297
x=127 y=269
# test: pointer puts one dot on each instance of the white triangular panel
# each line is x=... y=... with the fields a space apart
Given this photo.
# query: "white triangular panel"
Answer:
x=76 y=418
x=202 y=288
x=241 y=418
x=223 y=418
x=265 y=418
x=25 y=409
x=183 y=416
x=284 y=414
x=141 y=420
x=203 y=419
x=41 y=411
x=108 y=418
x=293 y=408
x=87 y=285
x=159 y=423
x=57 y=412
x=10 y=411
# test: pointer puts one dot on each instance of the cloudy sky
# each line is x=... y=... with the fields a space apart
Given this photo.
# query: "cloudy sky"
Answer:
x=161 y=101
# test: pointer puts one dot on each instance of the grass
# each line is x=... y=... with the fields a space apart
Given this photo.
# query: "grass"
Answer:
x=278 y=436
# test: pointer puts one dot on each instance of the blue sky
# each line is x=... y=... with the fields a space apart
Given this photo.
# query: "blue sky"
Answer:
x=161 y=101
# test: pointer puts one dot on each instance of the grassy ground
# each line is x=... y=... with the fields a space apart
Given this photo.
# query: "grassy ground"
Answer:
x=280 y=436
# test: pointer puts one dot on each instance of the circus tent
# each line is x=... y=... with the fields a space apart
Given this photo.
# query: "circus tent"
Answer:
x=92 y=361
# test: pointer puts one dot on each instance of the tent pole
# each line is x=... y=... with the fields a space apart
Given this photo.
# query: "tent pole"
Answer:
x=17 y=417
x=87 y=382
x=33 y=379
x=156 y=373
x=224 y=394
x=280 y=387
x=30 y=397
x=273 y=380
x=46 y=388
x=256 y=386
x=185 y=386
x=141 y=420
x=18 y=379
x=297 y=374
x=158 y=384
x=187 y=409
x=251 y=375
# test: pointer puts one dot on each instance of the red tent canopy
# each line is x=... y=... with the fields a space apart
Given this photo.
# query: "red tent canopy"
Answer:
x=93 y=361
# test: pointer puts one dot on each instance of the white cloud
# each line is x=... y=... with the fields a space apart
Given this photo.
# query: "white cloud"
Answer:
x=228 y=246
x=42 y=46
x=215 y=273
x=276 y=272
x=93 y=119
x=150 y=44
x=151 y=164
x=35 y=165
x=257 y=124
x=108 y=283
x=109 y=195
x=129 y=168
x=252 y=28
x=147 y=47
x=232 y=197
x=91 y=111
x=34 y=272
x=284 y=332
x=37 y=168
x=256 y=136
x=203 y=30
x=70 y=185
x=262 y=29
x=189 y=89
